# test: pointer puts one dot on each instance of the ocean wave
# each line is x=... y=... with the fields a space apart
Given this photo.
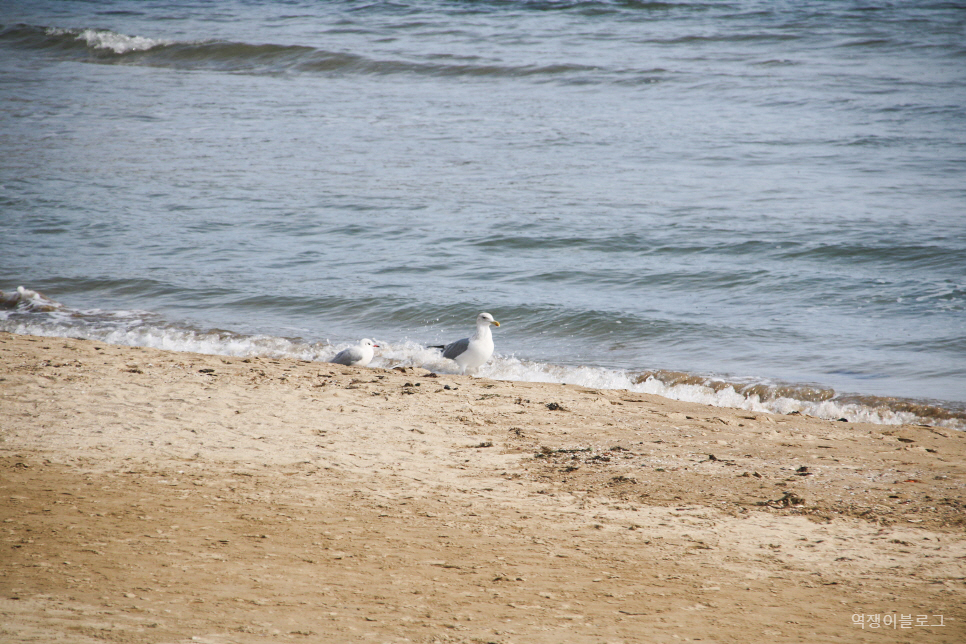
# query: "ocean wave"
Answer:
x=29 y=312
x=25 y=300
x=109 y=40
x=108 y=47
x=598 y=7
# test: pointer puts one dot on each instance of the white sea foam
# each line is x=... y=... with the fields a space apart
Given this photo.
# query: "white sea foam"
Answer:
x=104 y=39
x=503 y=368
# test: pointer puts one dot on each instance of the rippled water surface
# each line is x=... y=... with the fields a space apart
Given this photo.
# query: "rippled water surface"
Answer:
x=711 y=199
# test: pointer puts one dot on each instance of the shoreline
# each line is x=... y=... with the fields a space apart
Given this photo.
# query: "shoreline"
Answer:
x=155 y=496
x=755 y=396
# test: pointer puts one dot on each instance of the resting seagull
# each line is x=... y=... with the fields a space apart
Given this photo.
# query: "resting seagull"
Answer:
x=472 y=352
x=358 y=356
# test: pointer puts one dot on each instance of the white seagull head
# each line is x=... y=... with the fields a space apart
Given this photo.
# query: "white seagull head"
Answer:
x=484 y=319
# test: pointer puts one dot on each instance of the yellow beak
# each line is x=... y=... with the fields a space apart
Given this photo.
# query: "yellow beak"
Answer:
x=496 y=323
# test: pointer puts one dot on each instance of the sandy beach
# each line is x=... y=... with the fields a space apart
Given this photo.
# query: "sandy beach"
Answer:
x=152 y=496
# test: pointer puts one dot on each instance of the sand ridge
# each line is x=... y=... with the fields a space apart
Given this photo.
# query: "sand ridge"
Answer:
x=152 y=496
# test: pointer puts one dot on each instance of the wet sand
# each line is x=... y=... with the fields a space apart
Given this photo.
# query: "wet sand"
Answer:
x=150 y=496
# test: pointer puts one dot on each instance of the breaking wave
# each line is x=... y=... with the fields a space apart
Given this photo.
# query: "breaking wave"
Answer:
x=108 y=47
x=29 y=312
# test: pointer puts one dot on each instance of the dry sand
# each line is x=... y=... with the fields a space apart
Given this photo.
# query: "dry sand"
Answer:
x=150 y=496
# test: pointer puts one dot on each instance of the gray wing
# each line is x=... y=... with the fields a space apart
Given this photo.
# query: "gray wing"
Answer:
x=453 y=349
x=347 y=356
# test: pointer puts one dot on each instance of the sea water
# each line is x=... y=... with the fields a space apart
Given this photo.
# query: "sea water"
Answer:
x=757 y=204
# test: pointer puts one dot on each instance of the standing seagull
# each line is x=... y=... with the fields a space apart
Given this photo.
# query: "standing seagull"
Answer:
x=472 y=352
x=358 y=356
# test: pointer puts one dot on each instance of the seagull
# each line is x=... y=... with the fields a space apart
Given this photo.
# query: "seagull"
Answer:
x=358 y=356
x=472 y=352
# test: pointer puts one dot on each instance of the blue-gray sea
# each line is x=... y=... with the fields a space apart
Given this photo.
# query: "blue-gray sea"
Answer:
x=752 y=203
